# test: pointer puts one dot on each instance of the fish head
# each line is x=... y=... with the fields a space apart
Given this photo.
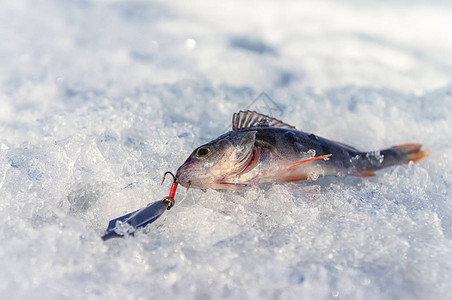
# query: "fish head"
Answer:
x=211 y=164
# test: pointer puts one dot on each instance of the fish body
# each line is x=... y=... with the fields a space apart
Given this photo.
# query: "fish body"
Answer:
x=261 y=149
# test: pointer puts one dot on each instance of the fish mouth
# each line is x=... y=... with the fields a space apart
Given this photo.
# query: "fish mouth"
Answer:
x=249 y=163
x=181 y=176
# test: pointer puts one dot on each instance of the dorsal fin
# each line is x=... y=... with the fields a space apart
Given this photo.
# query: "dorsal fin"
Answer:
x=248 y=119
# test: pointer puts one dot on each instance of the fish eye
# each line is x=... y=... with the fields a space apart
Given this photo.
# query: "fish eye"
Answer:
x=203 y=151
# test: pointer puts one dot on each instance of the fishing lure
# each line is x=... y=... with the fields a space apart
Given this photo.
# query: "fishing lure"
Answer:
x=129 y=223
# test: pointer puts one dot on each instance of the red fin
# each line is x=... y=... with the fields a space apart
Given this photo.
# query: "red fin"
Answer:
x=297 y=178
x=412 y=152
x=311 y=159
x=367 y=174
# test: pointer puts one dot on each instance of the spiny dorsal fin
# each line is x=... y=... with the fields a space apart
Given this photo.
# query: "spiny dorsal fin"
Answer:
x=248 y=119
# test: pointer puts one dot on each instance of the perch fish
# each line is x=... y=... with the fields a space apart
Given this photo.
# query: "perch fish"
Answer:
x=261 y=149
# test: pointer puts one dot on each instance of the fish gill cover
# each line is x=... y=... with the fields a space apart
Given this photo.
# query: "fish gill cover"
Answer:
x=99 y=98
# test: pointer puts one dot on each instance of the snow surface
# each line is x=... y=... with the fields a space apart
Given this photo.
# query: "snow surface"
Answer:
x=100 y=98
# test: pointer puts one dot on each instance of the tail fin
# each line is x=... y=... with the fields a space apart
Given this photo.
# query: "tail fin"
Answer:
x=411 y=152
x=402 y=154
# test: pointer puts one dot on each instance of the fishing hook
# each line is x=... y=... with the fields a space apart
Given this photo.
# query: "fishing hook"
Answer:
x=172 y=175
x=188 y=185
x=170 y=199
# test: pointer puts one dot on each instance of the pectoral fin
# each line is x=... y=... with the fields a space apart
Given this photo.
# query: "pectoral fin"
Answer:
x=367 y=174
x=297 y=178
x=325 y=157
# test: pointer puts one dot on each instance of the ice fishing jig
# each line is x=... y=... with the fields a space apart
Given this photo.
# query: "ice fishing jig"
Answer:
x=170 y=197
x=129 y=223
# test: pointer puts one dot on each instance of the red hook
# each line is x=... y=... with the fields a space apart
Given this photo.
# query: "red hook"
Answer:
x=170 y=197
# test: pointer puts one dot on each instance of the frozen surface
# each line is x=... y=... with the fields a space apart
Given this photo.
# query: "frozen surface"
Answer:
x=100 y=98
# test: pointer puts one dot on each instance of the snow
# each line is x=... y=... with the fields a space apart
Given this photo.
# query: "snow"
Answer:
x=100 y=98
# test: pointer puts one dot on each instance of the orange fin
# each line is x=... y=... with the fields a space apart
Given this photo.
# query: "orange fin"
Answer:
x=311 y=159
x=297 y=178
x=367 y=174
x=412 y=152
